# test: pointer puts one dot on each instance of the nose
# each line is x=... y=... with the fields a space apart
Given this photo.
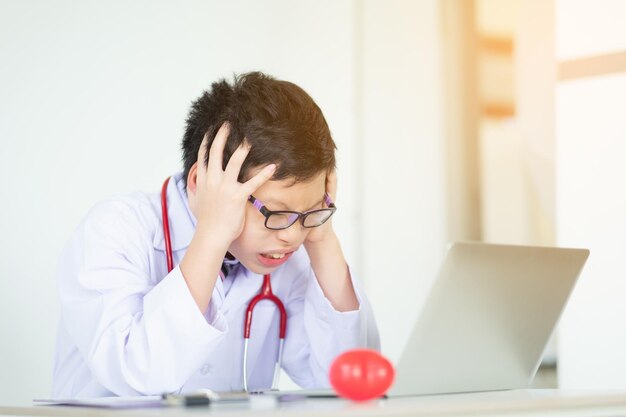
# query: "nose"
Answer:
x=292 y=234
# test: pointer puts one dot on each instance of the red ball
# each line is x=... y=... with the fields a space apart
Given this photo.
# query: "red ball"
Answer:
x=361 y=374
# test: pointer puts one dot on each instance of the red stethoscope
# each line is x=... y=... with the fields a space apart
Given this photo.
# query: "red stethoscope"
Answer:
x=264 y=294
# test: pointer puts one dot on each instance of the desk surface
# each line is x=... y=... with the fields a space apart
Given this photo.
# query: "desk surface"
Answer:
x=504 y=403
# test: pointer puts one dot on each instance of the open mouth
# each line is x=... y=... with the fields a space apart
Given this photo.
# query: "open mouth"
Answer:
x=273 y=255
x=273 y=259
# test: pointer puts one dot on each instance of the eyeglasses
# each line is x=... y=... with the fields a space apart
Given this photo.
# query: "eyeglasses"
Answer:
x=282 y=219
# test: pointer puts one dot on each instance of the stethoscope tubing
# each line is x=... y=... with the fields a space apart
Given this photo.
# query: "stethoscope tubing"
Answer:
x=166 y=227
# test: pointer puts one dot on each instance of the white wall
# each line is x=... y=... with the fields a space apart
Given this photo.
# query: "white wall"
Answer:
x=591 y=203
x=403 y=225
x=93 y=97
x=585 y=28
x=590 y=198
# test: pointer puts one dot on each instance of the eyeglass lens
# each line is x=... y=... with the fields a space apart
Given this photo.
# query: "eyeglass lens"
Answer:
x=284 y=220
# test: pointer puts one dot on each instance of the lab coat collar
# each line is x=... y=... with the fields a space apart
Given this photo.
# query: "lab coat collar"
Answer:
x=181 y=220
x=242 y=293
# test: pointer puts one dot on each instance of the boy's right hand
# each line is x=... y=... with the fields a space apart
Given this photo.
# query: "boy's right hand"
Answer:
x=221 y=199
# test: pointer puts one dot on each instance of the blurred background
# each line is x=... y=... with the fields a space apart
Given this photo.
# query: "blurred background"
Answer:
x=489 y=120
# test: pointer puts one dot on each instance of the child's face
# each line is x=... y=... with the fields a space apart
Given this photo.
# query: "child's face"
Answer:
x=260 y=249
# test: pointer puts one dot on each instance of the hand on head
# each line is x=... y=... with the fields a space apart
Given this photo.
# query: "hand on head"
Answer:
x=319 y=234
x=220 y=200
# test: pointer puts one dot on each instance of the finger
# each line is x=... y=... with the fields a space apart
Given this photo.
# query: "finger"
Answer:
x=202 y=149
x=236 y=161
x=216 y=155
x=331 y=184
x=200 y=168
x=258 y=180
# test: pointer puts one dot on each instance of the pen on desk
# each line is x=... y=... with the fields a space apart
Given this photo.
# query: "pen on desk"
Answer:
x=204 y=397
x=189 y=400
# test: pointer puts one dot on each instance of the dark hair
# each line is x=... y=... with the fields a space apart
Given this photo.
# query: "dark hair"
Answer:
x=278 y=119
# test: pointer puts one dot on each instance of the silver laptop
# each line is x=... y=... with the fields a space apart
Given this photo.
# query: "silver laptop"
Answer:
x=488 y=318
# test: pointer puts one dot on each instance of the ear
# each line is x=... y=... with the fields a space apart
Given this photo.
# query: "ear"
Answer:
x=192 y=179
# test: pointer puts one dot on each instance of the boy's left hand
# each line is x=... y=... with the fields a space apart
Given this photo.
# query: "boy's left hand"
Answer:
x=321 y=233
x=328 y=262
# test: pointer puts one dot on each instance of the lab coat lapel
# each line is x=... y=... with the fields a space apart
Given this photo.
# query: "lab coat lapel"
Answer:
x=246 y=286
x=219 y=291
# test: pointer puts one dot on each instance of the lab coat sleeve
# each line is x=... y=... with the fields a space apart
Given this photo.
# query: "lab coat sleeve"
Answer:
x=326 y=332
x=137 y=336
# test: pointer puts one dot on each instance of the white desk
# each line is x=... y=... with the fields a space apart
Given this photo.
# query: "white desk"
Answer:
x=517 y=403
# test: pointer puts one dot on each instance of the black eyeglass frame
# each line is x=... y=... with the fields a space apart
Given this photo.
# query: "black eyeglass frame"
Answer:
x=258 y=204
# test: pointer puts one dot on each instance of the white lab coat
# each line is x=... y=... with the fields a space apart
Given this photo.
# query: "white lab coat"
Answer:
x=129 y=328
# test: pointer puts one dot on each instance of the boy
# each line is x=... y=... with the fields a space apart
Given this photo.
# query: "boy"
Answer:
x=255 y=198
